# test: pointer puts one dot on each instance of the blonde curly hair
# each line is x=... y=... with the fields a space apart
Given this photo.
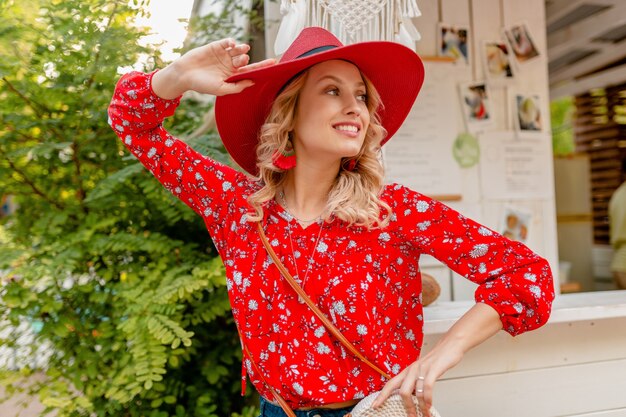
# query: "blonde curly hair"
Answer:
x=354 y=196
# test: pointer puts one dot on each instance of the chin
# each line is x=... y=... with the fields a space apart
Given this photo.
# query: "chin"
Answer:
x=349 y=154
x=353 y=151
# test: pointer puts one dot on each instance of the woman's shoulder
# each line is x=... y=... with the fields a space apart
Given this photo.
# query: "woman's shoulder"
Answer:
x=397 y=194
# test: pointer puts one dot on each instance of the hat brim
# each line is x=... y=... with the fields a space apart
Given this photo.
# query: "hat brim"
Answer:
x=395 y=70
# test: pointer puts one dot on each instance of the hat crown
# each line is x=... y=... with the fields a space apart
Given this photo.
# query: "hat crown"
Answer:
x=309 y=39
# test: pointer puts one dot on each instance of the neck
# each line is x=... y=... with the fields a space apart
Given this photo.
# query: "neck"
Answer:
x=307 y=188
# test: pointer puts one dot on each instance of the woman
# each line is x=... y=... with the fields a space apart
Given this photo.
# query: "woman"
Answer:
x=309 y=129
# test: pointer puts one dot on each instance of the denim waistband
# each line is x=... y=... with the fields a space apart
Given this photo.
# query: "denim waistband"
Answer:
x=269 y=409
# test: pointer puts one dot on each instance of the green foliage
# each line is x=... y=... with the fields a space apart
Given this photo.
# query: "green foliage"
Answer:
x=562 y=118
x=118 y=279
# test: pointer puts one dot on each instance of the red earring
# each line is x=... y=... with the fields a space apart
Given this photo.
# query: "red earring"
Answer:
x=285 y=159
x=350 y=164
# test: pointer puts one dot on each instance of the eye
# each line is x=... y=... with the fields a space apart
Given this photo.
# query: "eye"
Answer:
x=362 y=97
x=333 y=91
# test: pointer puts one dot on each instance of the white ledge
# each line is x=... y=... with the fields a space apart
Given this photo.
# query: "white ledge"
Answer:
x=440 y=316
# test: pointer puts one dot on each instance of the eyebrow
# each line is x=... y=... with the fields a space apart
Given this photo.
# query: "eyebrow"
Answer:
x=338 y=80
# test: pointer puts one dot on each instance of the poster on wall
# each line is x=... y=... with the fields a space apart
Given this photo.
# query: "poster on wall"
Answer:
x=497 y=62
x=526 y=113
x=516 y=223
x=513 y=169
x=453 y=42
x=420 y=155
x=521 y=42
x=476 y=104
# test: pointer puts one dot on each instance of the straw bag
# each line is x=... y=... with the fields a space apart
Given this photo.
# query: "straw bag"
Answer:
x=392 y=407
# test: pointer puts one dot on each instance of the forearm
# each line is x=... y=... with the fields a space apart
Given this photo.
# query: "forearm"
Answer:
x=474 y=327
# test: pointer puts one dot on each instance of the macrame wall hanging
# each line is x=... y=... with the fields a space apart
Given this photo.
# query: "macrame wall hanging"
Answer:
x=350 y=20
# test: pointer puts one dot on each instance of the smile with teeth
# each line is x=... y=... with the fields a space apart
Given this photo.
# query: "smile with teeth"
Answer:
x=347 y=128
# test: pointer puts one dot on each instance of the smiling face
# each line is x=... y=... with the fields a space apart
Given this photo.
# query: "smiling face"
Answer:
x=332 y=115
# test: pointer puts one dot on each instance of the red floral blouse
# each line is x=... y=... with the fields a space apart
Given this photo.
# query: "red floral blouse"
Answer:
x=367 y=282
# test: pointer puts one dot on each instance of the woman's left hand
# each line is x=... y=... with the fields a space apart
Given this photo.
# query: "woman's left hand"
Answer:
x=474 y=327
x=419 y=378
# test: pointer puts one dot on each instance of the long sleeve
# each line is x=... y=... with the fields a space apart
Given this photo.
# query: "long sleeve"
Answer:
x=208 y=187
x=512 y=279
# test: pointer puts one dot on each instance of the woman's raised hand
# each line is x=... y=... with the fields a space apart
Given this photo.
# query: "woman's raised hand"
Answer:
x=205 y=70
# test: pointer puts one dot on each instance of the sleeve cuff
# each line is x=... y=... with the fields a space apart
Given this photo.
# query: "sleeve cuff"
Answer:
x=166 y=103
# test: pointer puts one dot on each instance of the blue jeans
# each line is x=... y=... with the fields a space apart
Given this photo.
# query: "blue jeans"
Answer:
x=271 y=410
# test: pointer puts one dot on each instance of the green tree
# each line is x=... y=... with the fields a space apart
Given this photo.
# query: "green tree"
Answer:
x=118 y=278
x=562 y=113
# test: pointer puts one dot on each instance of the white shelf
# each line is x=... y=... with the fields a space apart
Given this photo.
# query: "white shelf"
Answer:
x=567 y=308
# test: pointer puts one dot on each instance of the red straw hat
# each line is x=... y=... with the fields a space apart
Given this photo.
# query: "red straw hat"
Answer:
x=395 y=70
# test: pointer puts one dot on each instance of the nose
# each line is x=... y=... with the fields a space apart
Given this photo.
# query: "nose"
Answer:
x=353 y=106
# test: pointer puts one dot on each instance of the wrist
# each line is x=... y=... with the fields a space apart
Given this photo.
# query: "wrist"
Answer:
x=167 y=83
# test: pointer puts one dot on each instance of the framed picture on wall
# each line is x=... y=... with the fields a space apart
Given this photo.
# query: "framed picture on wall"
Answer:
x=519 y=39
x=515 y=224
x=453 y=41
x=476 y=104
x=527 y=117
x=497 y=62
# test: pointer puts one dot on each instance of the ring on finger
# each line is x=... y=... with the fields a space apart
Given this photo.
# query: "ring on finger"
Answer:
x=420 y=391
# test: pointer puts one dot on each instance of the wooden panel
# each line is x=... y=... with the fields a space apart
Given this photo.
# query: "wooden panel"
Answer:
x=601 y=133
x=602 y=143
x=610 y=163
x=584 y=128
x=612 y=153
x=486 y=26
x=556 y=391
x=427 y=26
x=455 y=12
x=568 y=343
x=462 y=288
x=618 y=412
x=605 y=174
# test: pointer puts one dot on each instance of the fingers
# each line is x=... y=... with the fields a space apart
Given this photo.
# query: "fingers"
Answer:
x=428 y=384
x=420 y=391
x=425 y=383
x=257 y=65
x=238 y=53
x=233 y=88
x=234 y=50
x=226 y=43
x=408 y=389
x=415 y=380
x=240 y=60
x=392 y=385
